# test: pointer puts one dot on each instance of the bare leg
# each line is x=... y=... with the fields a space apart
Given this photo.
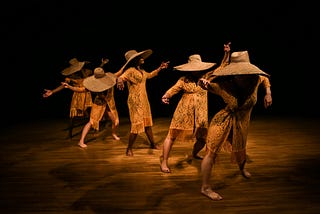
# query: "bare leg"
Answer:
x=115 y=125
x=197 y=147
x=132 y=139
x=149 y=134
x=206 y=170
x=167 y=145
x=201 y=135
x=241 y=160
x=71 y=123
x=84 y=133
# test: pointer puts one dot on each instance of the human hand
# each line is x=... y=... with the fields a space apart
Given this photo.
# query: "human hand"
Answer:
x=165 y=99
x=226 y=47
x=65 y=84
x=120 y=84
x=104 y=61
x=267 y=100
x=47 y=93
x=164 y=65
x=203 y=83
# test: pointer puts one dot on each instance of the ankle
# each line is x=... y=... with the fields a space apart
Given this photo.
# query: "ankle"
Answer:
x=154 y=146
x=206 y=187
x=129 y=152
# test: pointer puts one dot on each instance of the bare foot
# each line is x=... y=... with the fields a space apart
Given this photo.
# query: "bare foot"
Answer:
x=211 y=194
x=245 y=173
x=164 y=169
x=82 y=145
x=129 y=152
x=115 y=137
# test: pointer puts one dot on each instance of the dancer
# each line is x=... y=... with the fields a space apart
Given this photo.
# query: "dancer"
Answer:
x=101 y=85
x=138 y=103
x=81 y=101
x=191 y=114
x=237 y=84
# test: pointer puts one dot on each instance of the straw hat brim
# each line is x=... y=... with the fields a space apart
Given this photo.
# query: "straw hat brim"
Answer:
x=144 y=54
x=72 y=69
x=100 y=84
x=240 y=68
x=195 y=66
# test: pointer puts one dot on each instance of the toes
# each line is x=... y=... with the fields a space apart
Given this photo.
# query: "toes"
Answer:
x=129 y=152
x=115 y=137
x=245 y=173
x=211 y=194
x=82 y=145
x=165 y=170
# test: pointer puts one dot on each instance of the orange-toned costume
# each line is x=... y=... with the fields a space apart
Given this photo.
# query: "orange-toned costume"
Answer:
x=192 y=110
x=138 y=102
x=102 y=101
x=80 y=101
x=228 y=129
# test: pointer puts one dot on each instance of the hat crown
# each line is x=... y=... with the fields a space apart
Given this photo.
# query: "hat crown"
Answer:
x=239 y=65
x=195 y=64
x=129 y=54
x=73 y=61
x=240 y=56
x=195 y=58
x=98 y=72
x=74 y=66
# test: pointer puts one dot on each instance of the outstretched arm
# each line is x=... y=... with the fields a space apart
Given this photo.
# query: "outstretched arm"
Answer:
x=224 y=62
x=155 y=72
x=48 y=92
x=73 y=88
x=121 y=70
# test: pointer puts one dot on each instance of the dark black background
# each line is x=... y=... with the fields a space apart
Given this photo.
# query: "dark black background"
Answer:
x=39 y=37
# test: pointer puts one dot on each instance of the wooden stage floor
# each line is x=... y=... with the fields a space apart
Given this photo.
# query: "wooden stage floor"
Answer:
x=42 y=171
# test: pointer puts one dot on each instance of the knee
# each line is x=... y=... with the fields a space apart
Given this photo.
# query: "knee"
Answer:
x=211 y=155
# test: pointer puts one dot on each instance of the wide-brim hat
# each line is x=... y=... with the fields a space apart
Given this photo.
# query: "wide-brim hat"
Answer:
x=100 y=81
x=75 y=66
x=195 y=64
x=132 y=54
x=240 y=65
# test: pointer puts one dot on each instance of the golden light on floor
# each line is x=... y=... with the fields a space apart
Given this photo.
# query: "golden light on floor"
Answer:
x=43 y=171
